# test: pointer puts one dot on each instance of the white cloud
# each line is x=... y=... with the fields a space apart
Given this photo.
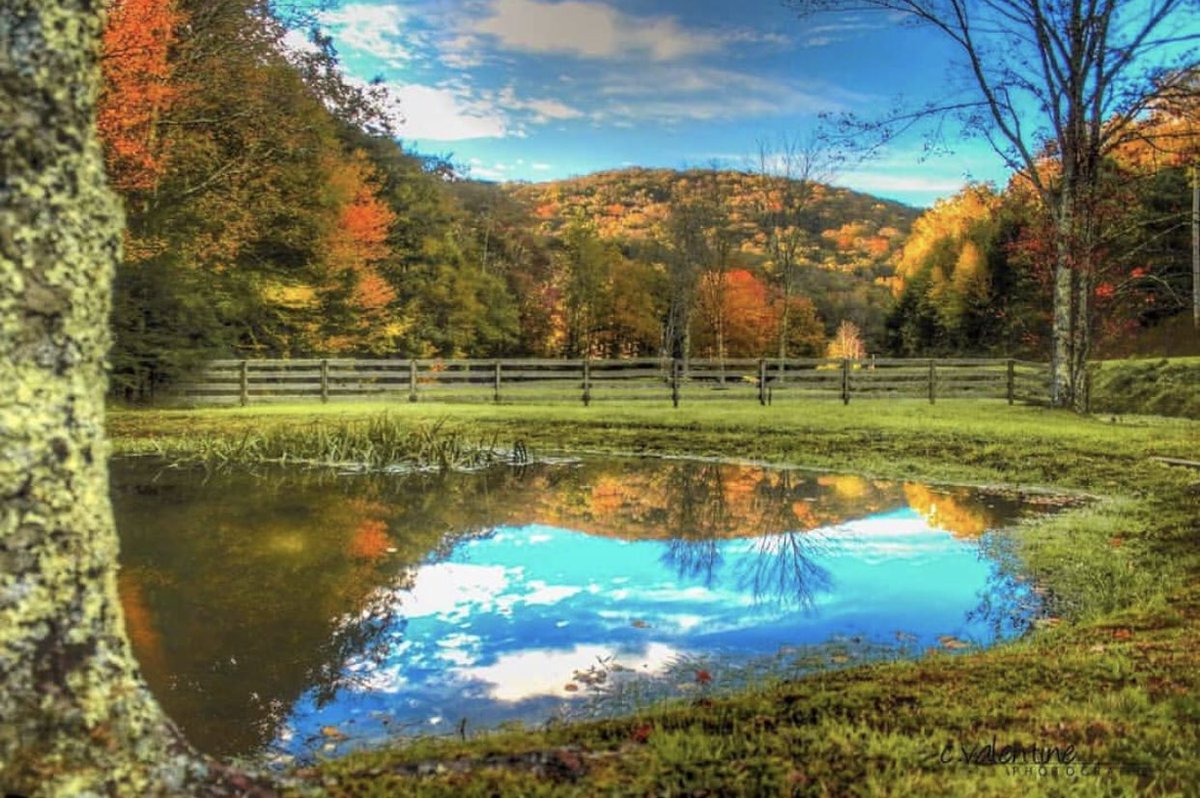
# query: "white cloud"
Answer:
x=875 y=181
x=379 y=30
x=541 y=167
x=590 y=29
x=543 y=110
x=519 y=675
x=295 y=41
x=447 y=113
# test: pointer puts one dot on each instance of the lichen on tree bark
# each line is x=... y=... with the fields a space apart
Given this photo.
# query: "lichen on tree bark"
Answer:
x=76 y=717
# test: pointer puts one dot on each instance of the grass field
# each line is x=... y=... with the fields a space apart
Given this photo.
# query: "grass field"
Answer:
x=1114 y=674
x=1166 y=387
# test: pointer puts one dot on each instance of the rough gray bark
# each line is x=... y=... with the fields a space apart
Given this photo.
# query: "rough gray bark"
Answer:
x=75 y=717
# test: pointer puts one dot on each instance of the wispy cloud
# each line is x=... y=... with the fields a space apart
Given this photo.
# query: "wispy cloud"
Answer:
x=597 y=30
x=671 y=93
x=542 y=110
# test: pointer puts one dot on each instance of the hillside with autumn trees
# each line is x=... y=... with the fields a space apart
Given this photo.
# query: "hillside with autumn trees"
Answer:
x=975 y=276
x=271 y=213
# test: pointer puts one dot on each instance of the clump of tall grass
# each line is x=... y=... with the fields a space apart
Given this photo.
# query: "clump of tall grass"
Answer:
x=377 y=442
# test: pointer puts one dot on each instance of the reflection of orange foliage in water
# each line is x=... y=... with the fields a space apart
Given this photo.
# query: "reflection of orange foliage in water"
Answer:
x=609 y=494
x=139 y=625
x=805 y=516
x=947 y=511
x=370 y=540
x=848 y=486
x=740 y=488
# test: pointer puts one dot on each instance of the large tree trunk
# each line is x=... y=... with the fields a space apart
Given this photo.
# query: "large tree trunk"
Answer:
x=75 y=716
x=1063 y=319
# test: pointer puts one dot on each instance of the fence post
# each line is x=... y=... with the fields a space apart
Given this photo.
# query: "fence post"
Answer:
x=762 y=381
x=675 y=367
x=245 y=387
x=587 y=382
x=932 y=380
x=845 y=380
x=324 y=380
x=496 y=386
x=1011 y=379
x=412 y=380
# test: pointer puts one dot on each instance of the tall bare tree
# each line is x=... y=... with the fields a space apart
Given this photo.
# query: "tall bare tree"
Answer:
x=1053 y=86
x=788 y=172
x=77 y=717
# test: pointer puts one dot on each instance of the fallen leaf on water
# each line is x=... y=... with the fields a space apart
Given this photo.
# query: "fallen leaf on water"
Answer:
x=640 y=624
x=333 y=732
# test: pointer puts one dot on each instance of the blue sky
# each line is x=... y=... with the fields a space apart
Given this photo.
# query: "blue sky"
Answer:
x=543 y=89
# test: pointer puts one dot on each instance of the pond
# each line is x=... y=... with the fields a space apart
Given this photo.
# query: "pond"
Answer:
x=290 y=612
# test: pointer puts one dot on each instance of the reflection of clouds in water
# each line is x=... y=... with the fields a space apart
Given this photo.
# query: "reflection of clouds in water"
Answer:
x=535 y=672
x=449 y=590
x=454 y=591
x=901 y=534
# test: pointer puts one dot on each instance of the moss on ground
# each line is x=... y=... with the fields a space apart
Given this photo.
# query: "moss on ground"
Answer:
x=1116 y=678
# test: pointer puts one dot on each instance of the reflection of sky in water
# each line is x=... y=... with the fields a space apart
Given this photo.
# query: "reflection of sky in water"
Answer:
x=499 y=629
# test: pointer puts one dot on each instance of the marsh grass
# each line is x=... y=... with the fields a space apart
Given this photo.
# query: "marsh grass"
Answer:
x=375 y=442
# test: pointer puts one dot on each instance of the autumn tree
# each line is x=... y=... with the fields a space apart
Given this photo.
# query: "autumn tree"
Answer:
x=137 y=90
x=847 y=342
x=355 y=297
x=747 y=318
x=1059 y=80
x=943 y=274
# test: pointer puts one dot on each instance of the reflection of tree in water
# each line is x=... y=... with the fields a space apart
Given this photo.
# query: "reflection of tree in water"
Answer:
x=780 y=569
x=1007 y=603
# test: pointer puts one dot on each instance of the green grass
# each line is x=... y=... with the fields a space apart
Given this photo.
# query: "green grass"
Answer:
x=1160 y=386
x=1117 y=677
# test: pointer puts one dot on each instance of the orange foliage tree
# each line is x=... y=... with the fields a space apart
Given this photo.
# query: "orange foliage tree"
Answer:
x=354 y=248
x=137 y=90
x=739 y=310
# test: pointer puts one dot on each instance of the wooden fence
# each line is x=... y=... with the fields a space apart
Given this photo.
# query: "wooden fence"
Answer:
x=545 y=380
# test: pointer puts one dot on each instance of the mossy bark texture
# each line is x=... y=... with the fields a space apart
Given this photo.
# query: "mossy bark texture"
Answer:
x=75 y=717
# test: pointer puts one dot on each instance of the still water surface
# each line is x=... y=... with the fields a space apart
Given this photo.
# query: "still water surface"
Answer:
x=293 y=611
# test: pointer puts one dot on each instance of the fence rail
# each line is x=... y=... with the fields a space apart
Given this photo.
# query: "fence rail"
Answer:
x=539 y=380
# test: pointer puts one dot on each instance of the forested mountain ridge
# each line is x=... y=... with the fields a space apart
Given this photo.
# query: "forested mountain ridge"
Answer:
x=635 y=203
